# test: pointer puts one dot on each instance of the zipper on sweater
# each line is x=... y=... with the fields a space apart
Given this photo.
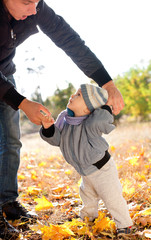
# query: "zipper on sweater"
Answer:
x=13 y=35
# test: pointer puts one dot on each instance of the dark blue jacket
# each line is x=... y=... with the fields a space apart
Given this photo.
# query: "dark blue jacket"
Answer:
x=13 y=33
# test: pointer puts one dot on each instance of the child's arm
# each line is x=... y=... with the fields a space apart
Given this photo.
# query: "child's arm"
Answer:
x=48 y=132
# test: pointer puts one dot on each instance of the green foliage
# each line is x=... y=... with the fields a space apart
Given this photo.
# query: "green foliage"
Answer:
x=59 y=100
x=36 y=96
x=135 y=87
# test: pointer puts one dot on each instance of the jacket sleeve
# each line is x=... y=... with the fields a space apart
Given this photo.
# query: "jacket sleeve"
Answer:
x=8 y=93
x=52 y=139
x=100 y=121
x=60 y=32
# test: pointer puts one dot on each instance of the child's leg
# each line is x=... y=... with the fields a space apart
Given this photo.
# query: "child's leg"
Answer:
x=110 y=191
x=89 y=198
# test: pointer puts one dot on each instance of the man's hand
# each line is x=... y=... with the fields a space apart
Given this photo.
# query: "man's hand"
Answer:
x=33 y=111
x=115 y=99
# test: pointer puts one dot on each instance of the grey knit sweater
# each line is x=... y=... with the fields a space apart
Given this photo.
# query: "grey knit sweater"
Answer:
x=82 y=145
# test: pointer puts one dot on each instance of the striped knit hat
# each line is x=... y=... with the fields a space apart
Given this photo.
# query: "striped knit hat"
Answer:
x=94 y=96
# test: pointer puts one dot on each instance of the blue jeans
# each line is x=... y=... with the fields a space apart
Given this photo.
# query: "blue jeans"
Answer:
x=9 y=151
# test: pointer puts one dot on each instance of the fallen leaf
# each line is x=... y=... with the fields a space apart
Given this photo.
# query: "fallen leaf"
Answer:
x=43 y=204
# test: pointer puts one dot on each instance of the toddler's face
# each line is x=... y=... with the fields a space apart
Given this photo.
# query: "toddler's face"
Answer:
x=77 y=104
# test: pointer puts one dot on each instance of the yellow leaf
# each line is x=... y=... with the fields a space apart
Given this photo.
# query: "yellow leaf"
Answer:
x=33 y=172
x=128 y=190
x=140 y=177
x=112 y=148
x=77 y=226
x=60 y=188
x=133 y=161
x=103 y=223
x=56 y=232
x=48 y=175
x=30 y=166
x=119 y=167
x=68 y=172
x=21 y=177
x=82 y=230
x=75 y=222
x=43 y=204
x=146 y=212
x=34 y=177
x=133 y=148
x=33 y=190
x=42 y=164
x=127 y=187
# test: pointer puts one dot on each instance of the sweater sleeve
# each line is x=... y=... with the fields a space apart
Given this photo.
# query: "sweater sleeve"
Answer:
x=61 y=33
x=48 y=132
x=8 y=93
x=51 y=135
x=101 y=76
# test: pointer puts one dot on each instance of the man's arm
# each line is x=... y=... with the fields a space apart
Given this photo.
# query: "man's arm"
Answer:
x=33 y=111
x=10 y=96
x=60 y=32
x=66 y=38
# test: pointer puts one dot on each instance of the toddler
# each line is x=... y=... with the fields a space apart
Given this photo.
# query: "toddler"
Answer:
x=78 y=132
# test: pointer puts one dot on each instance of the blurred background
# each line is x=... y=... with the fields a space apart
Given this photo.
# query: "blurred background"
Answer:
x=118 y=32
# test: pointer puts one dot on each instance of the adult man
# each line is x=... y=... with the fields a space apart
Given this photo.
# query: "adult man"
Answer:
x=19 y=20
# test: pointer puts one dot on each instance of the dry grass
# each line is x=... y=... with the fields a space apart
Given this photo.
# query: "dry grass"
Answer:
x=44 y=168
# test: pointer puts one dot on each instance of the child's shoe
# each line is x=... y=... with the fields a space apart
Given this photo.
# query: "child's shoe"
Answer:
x=124 y=233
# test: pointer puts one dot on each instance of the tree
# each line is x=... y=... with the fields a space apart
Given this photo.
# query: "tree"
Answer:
x=135 y=87
x=59 y=100
x=36 y=96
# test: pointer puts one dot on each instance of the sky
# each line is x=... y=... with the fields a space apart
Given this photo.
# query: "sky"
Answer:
x=118 y=32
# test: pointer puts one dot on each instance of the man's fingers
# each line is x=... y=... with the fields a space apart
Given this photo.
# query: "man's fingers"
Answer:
x=114 y=107
x=44 y=111
x=116 y=104
x=116 y=111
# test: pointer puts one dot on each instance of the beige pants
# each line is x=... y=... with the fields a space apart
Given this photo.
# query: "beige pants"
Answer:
x=104 y=185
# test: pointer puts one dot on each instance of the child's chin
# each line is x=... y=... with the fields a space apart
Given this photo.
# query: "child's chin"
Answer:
x=68 y=106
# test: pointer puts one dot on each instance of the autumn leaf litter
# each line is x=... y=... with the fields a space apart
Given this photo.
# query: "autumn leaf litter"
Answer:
x=49 y=187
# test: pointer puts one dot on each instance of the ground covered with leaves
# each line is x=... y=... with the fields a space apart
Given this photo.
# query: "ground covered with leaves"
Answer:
x=50 y=187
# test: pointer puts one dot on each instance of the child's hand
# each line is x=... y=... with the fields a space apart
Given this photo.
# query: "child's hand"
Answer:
x=47 y=121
